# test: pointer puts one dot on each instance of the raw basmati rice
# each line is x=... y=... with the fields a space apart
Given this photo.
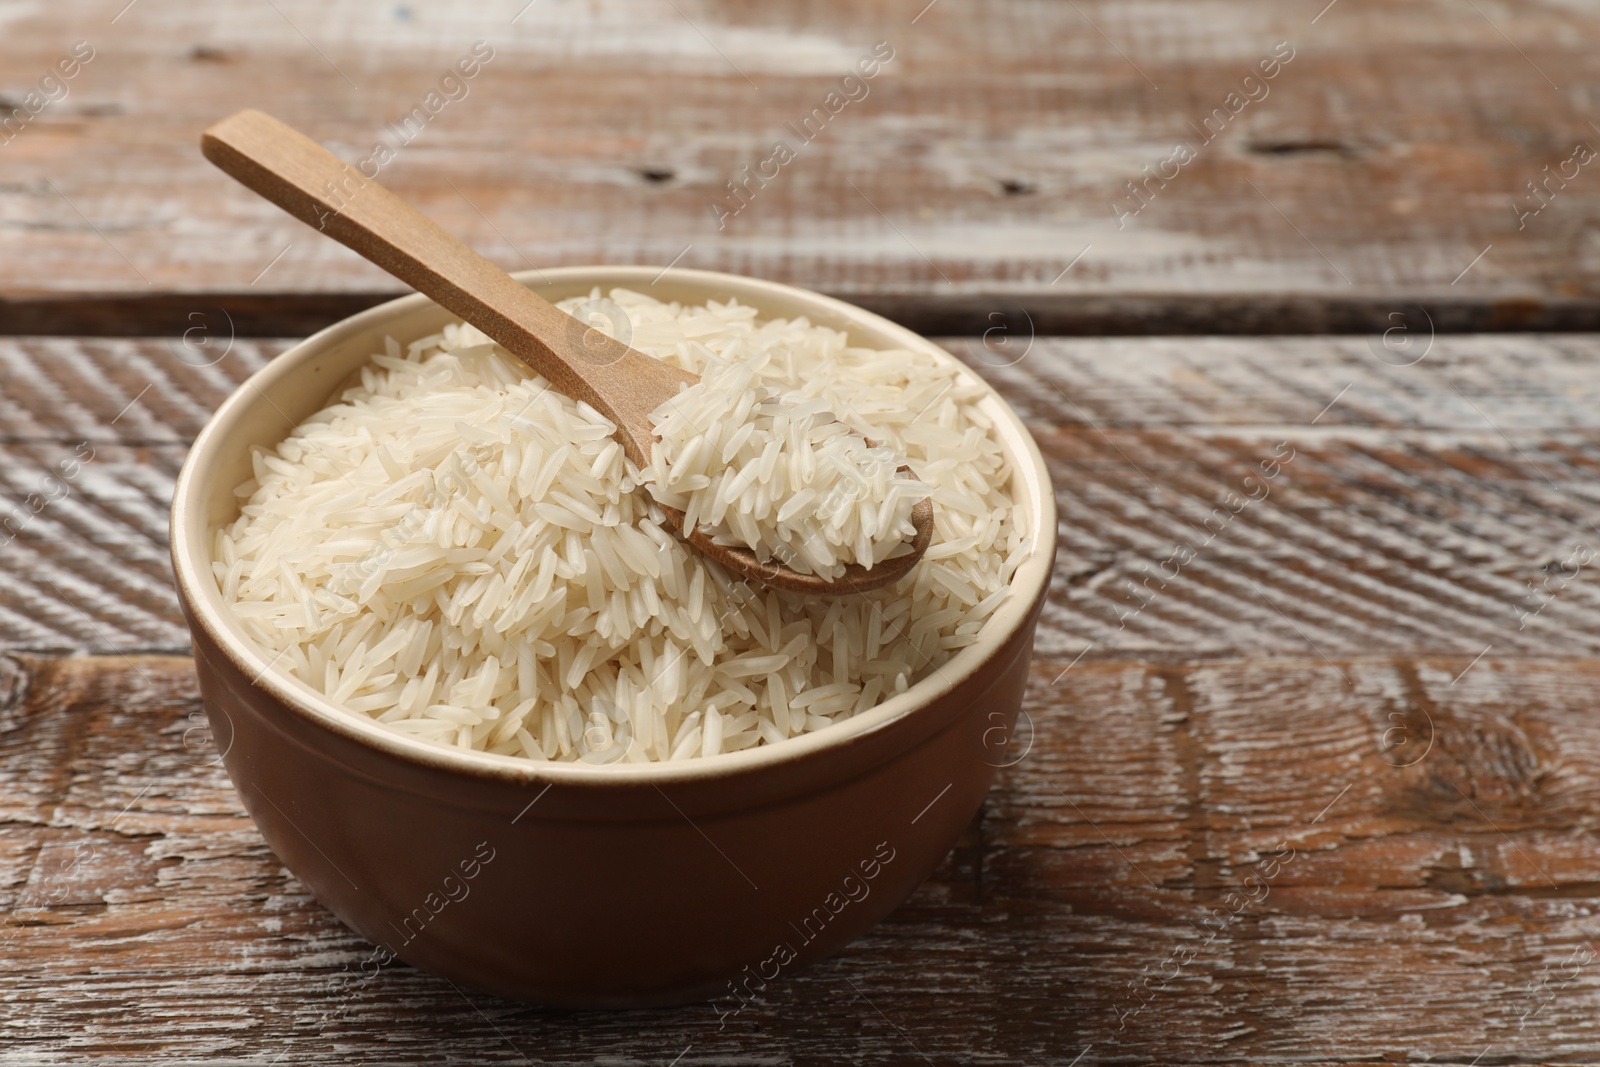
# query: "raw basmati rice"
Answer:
x=457 y=551
x=777 y=473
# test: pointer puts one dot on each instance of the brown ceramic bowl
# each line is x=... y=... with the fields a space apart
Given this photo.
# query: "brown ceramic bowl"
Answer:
x=597 y=886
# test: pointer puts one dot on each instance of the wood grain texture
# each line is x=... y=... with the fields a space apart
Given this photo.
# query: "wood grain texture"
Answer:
x=1429 y=509
x=85 y=555
x=1349 y=673
x=1387 y=163
x=1440 y=910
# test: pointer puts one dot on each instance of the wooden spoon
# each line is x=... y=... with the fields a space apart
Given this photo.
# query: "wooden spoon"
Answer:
x=316 y=187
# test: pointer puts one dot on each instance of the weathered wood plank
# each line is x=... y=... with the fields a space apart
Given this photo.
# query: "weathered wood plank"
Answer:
x=1428 y=508
x=1394 y=146
x=1441 y=805
x=1428 y=911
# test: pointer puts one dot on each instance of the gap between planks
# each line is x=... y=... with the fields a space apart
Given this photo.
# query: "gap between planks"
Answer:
x=974 y=314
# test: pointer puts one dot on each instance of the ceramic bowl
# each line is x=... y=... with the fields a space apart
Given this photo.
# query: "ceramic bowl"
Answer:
x=597 y=886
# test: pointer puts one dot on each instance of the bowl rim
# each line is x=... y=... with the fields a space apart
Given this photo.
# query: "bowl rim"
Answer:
x=198 y=589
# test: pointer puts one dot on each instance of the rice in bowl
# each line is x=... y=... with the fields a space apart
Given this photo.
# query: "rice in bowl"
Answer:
x=459 y=552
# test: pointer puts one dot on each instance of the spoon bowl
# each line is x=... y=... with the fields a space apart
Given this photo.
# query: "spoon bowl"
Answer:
x=291 y=170
x=855 y=579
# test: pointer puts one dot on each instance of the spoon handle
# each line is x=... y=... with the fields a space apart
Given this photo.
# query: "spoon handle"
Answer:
x=293 y=171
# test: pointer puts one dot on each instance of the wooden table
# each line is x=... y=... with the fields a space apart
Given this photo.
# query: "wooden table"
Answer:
x=1312 y=772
